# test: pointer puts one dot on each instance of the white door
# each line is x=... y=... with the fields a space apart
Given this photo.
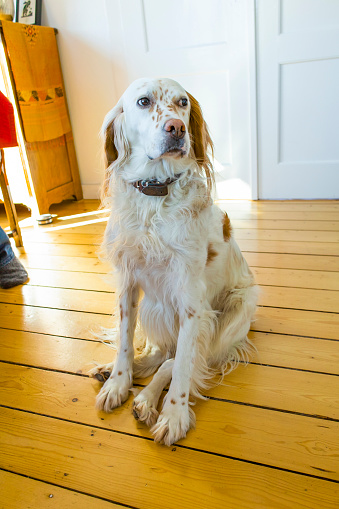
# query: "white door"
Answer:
x=206 y=46
x=298 y=98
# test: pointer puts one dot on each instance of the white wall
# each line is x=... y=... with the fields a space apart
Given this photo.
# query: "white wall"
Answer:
x=102 y=50
x=86 y=61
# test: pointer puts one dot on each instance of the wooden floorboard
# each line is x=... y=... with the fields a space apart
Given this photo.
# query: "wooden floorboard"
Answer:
x=77 y=355
x=83 y=325
x=103 y=301
x=247 y=434
x=131 y=470
x=21 y=492
x=88 y=245
x=267 y=437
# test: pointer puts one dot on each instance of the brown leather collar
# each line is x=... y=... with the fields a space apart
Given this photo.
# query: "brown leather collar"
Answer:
x=152 y=187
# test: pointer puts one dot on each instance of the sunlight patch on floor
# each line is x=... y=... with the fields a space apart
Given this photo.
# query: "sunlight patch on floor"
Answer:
x=74 y=225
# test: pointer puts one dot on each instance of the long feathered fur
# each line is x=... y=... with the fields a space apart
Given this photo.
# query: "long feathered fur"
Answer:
x=199 y=295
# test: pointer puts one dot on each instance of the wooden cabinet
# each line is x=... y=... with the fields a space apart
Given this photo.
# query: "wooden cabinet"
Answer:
x=49 y=165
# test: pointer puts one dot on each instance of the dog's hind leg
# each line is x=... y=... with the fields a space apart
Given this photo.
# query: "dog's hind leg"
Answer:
x=146 y=402
x=102 y=372
x=232 y=344
x=148 y=361
x=144 y=365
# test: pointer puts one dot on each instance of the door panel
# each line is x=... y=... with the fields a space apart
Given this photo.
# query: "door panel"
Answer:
x=309 y=15
x=204 y=46
x=298 y=107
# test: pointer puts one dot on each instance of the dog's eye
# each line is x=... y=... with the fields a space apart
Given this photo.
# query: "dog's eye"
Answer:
x=183 y=102
x=143 y=102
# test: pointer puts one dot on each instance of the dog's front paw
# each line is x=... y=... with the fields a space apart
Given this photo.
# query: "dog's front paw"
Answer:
x=114 y=392
x=173 y=423
x=144 y=411
x=102 y=372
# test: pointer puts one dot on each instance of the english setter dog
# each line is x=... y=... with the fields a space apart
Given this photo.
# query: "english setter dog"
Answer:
x=184 y=286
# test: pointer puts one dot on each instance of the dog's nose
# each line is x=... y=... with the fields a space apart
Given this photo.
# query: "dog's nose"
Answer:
x=175 y=127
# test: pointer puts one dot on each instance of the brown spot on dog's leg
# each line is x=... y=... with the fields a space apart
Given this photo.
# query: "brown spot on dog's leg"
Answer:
x=211 y=254
x=173 y=401
x=190 y=312
x=120 y=373
x=183 y=394
x=226 y=227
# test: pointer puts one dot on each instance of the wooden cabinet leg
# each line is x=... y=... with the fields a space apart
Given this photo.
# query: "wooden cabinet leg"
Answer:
x=9 y=204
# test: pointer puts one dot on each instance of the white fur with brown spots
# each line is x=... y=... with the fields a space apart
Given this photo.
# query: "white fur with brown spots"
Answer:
x=199 y=296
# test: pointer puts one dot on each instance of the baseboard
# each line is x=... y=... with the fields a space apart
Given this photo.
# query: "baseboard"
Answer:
x=91 y=191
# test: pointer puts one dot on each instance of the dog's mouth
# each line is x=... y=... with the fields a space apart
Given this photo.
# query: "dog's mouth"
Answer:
x=171 y=149
x=174 y=152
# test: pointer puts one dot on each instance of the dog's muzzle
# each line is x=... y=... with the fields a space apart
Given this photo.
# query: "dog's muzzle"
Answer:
x=174 y=138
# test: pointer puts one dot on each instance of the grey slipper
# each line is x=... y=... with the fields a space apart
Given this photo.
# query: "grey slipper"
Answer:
x=12 y=274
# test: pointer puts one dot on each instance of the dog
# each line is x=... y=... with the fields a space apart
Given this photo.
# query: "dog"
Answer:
x=170 y=243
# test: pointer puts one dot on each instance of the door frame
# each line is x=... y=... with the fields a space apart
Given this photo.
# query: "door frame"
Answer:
x=253 y=95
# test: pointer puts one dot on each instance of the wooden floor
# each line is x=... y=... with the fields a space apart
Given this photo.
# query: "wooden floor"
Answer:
x=267 y=438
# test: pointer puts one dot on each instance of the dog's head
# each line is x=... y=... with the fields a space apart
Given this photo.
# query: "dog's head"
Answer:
x=156 y=119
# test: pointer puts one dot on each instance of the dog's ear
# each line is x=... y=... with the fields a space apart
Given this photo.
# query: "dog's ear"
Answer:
x=201 y=140
x=115 y=143
x=111 y=152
